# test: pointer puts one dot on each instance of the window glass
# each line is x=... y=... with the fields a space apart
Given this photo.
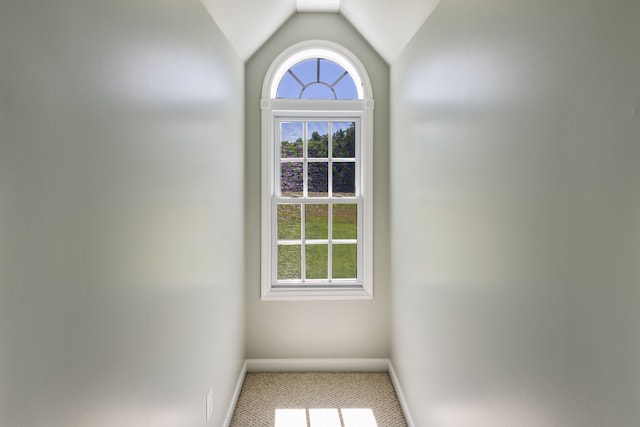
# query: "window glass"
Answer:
x=291 y=179
x=346 y=89
x=318 y=134
x=344 y=140
x=344 y=179
x=289 y=222
x=330 y=71
x=317 y=115
x=289 y=262
x=306 y=71
x=317 y=261
x=317 y=78
x=317 y=160
x=316 y=221
x=289 y=88
x=318 y=179
x=291 y=134
x=345 y=221
x=344 y=261
x=318 y=91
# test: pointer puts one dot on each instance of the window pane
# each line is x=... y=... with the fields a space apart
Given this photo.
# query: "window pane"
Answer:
x=316 y=221
x=291 y=176
x=345 y=221
x=344 y=140
x=288 y=88
x=289 y=262
x=323 y=79
x=291 y=135
x=330 y=71
x=317 y=261
x=289 y=222
x=344 y=179
x=318 y=91
x=318 y=143
x=344 y=261
x=318 y=179
x=306 y=70
x=318 y=148
x=318 y=137
x=346 y=88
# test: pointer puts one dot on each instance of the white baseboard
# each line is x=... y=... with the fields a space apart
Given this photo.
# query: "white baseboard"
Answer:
x=236 y=394
x=403 y=402
x=321 y=365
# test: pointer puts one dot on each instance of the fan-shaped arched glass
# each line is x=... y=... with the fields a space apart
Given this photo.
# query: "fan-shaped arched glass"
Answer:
x=317 y=78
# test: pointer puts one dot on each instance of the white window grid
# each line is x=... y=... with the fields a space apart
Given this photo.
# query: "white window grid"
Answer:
x=273 y=108
x=304 y=200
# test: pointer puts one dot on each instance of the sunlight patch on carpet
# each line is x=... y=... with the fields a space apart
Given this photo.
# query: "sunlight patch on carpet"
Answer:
x=325 y=417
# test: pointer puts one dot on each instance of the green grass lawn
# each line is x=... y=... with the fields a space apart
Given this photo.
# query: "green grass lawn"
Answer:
x=344 y=226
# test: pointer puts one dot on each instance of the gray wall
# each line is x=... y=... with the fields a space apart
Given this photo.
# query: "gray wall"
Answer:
x=516 y=214
x=121 y=198
x=325 y=328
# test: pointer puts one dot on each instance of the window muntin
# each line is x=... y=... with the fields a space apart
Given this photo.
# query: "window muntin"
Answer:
x=317 y=205
x=317 y=78
x=331 y=278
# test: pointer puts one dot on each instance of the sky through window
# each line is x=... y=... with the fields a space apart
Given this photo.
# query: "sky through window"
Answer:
x=317 y=78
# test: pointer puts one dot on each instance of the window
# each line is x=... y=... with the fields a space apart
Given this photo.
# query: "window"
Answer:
x=316 y=176
x=317 y=78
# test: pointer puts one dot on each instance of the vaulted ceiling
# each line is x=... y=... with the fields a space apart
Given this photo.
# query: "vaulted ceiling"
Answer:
x=387 y=25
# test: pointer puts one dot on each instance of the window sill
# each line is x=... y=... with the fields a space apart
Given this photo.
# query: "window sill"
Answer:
x=289 y=293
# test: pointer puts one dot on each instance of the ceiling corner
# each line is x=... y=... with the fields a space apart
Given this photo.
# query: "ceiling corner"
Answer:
x=387 y=26
x=247 y=24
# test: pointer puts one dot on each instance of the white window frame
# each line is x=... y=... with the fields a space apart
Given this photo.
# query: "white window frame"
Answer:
x=275 y=110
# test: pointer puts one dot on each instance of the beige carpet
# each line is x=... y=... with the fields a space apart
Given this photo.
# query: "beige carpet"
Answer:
x=318 y=399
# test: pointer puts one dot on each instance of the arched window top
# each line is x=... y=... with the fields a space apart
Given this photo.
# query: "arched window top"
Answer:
x=317 y=175
x=316 y=70
x=317 y=78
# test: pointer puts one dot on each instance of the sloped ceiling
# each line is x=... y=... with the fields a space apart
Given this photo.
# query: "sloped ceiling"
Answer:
x=387 y=25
